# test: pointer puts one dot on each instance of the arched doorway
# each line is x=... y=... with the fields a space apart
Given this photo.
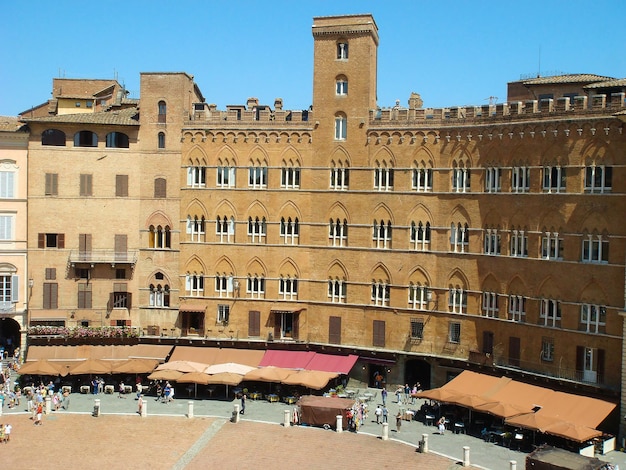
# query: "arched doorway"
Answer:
x=417 y=370
x=9 y=335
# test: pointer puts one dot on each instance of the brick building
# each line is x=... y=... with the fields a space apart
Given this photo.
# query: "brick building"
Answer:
x=425 y=240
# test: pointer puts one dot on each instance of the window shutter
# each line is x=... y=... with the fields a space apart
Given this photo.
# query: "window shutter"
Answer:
x=379 y=333
x=600 y=365
x=254 y=323
x=189 y=176
x=334 y=330
x=580 y=358
x=41 y=240
x=61 y=240
x=15 y=288
x=188 y=283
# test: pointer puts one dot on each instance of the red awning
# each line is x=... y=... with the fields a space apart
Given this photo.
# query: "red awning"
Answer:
x=332 y=363
x=287 y=359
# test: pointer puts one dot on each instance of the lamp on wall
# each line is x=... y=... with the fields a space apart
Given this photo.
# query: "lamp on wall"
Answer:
x=31 y=283
x=72 y=314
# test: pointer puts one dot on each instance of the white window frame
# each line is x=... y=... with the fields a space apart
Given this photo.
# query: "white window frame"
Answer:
x=517 y=308
x=9 y=290
x=551 y=246
x=342 y=51
x=257 y=230
x=288 y=288
x=341 y=88
x=6 y=227
x=337 y=290
x=225 y=229
x=382 y=235
x=420 y=236
x=383 y=178
x=255 y=287
x=341 y=128
x=196 y=228
x=595 y=249
x=422 y=179
x=290 y=230
x=290 y=177
x=592 y=318
x=454 y=332
x=490 y=305
x=419 y=296
x=196 y=177
x=224 y=285
x=338 y=232
x=380 y=294
x=257 y=177
x=457 y=300
x=461 y=180
x=492 y=180
x=550 y=314
x=223 y=314
x=492 y=242
x=547 y=349
x=8 y=181
x=158 y=295
x=459 y=237
x=225 y=177
x=596 y=179
x=520 y=179
x=554 y=179
x=339 y=178
x=194 y=285
x=519 y=244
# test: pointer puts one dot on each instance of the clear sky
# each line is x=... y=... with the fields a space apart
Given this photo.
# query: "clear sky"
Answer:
x=451 y=52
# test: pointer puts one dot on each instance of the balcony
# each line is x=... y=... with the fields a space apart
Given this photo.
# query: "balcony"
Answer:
x=94 y=257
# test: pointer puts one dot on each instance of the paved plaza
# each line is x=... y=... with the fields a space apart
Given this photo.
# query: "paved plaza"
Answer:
x=168 y=439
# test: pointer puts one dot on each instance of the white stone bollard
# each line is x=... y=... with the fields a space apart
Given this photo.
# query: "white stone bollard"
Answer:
x=48 y=403
x=96 y=407
x=424 y=443
x=466 y=456
x=287 y=418
x=339 y=423
x=235 y=413
x=512 y=464
x=144 y=409
x=385 y=436
x=190 y=409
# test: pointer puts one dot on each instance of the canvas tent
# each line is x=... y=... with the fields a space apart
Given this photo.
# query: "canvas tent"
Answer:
x=318 y=411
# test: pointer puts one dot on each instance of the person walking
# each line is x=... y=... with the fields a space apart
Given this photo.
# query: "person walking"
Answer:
x=383 y=394
x=441 y=424
x=7 y=432
x=378 y=412
x=140 y=404
x=398 y=421
x=243 y=403
x=385 y=414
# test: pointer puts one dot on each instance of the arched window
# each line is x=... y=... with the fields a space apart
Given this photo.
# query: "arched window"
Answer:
x=160 y=237
x=289 y=231
x=159 y=295
x=341 y=125
x=382 y=234
x=53 y=137
x=117 y=140
x=225 y=229
x=420 y=236
x=342 y=50
x=162 y=111
x=338 y=232
x=161 y=138
x=337 y=290
x=85 y=139
x=341 y=86
x=339 y=176
x=257 y=230
x=195 y=228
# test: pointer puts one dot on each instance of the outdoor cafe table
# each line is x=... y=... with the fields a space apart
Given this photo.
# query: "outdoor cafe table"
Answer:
x=290 y=400
x=272 y=398
x=255 y=395
x=350 y=392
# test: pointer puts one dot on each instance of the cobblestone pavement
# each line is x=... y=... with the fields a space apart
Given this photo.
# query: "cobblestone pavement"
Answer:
x=168 y=439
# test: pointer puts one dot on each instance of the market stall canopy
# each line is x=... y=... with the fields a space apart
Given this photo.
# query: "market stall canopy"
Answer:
x=501 y=410
x=210 y=356
x=225 y=378
x=69 y=353
x=135 y=366
x=194 y=378
x=287 y=359
x=231 y=367
x=310 y=378
x=318 y=411
x=183 y=366
x=92 y=366
x=165 y=375
x=574 y=432
x=332 y=363
x=268 y=374
x=42 y=367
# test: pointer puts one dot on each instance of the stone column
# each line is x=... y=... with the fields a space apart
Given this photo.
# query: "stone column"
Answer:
x=48 y=403
x=96 y=407
x=190 y=409
x=424 y=443
x=287 y=418
x=512 y=464
x=466 y=456
x=339 y=423
x=236 y=413
x=385 y=436
x=144 y=409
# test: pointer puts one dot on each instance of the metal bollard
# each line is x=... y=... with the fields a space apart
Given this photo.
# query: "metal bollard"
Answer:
x=189 y=409
x=385 y=436
x=287 y=418
x=48 y=402
x=96 y=407
x=144 y=409
x=339 y=423
x=235 y=418
x=466 y=456
x=424 y=444
x=512 y=464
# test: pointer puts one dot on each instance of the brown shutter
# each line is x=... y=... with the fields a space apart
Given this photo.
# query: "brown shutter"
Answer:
x=254 y=323
x=334 y=330
x=580 y=359
x=41 y=240
x=600 y=368
x=295 y=333
x=379 y=333
x=514 y=351
x=61 y=240
x=129 y=301
x=487 y=342
x=160 y=188
x=121 y=185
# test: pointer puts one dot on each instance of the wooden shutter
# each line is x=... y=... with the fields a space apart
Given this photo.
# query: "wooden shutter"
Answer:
x=334 y=330
x=84 y=243
x=254 y=323
x=514 y=351
x=61 y=240
x=580 y=359
x=379 y=334
x=487 y=342
x=52 y=185
x=160 y=188
x=50 y=295
x=86 y=185
x=600 y=366
x=15 y=288
x=41 y=240
x=295 y=333
x=121 y=185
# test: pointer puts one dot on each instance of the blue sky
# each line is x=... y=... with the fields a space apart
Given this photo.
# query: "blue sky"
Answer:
x=452 y=52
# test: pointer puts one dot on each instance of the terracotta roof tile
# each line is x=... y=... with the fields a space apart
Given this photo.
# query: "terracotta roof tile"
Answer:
x=123 y=117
